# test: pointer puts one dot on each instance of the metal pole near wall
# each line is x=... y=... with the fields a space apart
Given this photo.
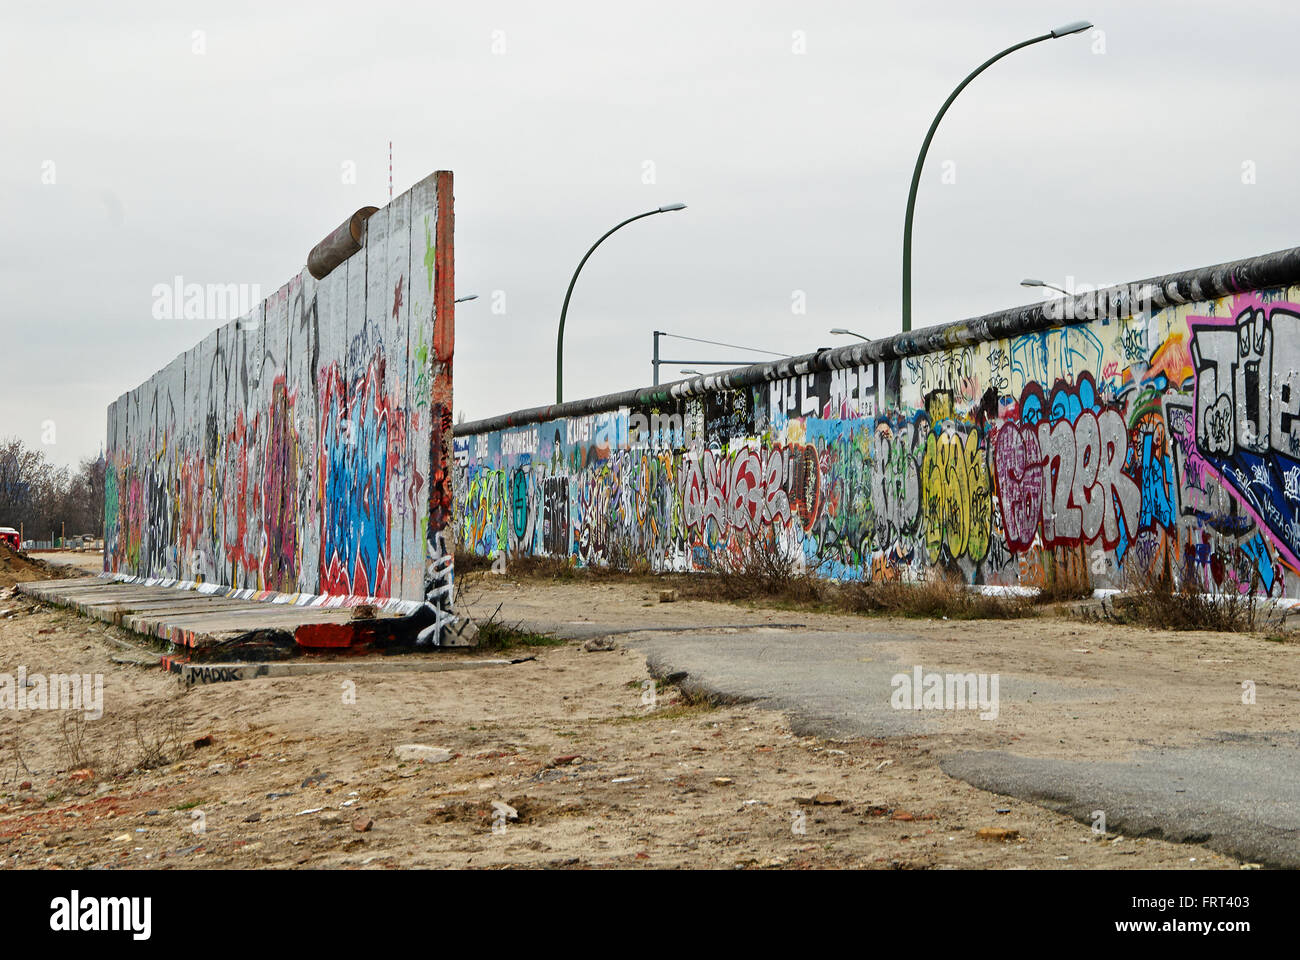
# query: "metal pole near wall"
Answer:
x=657 y=361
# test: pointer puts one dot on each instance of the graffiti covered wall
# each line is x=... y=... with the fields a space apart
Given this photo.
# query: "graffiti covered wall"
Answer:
x=302 y=449
x=1112 y=445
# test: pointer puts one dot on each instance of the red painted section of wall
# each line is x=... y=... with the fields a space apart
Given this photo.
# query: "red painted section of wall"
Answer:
x=444 y=277
x=444 y=340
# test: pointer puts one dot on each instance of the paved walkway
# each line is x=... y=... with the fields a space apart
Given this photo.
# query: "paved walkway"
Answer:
x=1236 y=791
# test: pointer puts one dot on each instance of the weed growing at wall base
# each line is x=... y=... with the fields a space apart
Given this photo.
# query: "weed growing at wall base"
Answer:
x=495 y=635
x=938 y=598
x=1162 y=601
x=756 y=569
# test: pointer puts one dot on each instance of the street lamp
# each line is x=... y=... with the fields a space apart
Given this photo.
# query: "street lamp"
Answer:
x=1043 y=283
x=472 y=296
x=1077 y=26
x=841 y=332
x=693 y=373
x=559 y=342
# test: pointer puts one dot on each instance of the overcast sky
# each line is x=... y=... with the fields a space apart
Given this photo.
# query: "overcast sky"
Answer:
x=1103 y=157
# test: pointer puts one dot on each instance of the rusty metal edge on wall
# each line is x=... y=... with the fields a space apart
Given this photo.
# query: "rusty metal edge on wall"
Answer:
x=343 y=241
x=1117 y=302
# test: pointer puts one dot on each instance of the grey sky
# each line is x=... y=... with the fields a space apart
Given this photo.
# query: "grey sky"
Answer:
x=225 y=167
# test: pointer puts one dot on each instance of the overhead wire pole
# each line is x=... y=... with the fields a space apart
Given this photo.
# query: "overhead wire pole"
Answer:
x=656 y=361
x=1075 y=27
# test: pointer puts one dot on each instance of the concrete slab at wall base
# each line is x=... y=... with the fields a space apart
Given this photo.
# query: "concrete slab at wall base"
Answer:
x=183 y=617
x=200 y=621
x=387 y=604
x=197 y=621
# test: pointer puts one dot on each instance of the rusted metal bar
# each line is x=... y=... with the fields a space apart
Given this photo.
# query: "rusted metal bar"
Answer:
x=1278 y=269
x=343 y=241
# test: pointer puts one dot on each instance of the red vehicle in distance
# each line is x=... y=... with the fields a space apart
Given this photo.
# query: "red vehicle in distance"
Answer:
x=11 y=538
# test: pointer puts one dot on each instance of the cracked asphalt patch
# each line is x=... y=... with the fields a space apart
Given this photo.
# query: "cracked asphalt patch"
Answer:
x=1240 y=797
x=1146 y=725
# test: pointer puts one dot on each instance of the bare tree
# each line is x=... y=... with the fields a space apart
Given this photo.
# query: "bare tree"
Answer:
x=44 y=499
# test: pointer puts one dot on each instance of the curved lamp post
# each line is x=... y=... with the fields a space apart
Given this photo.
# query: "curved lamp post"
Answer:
x=559 y=343
x=1077 y=27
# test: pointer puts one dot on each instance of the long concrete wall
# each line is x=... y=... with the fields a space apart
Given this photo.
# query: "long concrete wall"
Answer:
x=1154 y=422
x=303 y=448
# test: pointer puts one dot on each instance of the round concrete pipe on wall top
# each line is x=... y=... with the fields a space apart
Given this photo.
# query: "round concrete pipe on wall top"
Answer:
x=341 y=243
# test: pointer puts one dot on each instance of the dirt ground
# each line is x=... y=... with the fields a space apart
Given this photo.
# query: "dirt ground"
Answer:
x=595 y=771
x=1107 y=689
x=18 y=567
x=87 y=561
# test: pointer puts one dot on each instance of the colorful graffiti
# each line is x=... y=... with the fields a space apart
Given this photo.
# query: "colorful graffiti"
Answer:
x=1169 y=439
x=299 y=449
x=1247 y=403
x=356 y=464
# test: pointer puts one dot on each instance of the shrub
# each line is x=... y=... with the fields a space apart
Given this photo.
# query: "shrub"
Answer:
x=1158 y=599
x=756 y=569
x=936 y=597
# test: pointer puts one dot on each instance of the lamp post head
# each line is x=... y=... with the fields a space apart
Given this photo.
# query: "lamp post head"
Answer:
x=1032 y=283
x=669 y=207
x=1078 y=26
x=841 y=332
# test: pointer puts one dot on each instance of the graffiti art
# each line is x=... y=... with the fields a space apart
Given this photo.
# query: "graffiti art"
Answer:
x=1111 y=446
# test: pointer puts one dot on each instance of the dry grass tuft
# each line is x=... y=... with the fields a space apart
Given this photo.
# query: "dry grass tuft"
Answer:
x=759 y=571
x=938 y=597
x=756 y=570
x=159 y=741
x=1156 y=600
x=1067 y=579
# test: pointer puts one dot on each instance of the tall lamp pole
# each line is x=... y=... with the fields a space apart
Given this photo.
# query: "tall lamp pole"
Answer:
x=1077 y=27
x=559 y=342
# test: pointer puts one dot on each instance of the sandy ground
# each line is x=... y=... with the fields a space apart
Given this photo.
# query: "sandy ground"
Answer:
x=596 y=775
x=1088 y=691
x=87 y=561
x=17 y=567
